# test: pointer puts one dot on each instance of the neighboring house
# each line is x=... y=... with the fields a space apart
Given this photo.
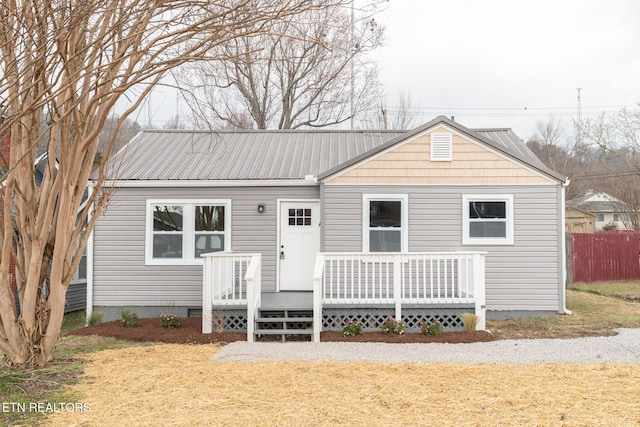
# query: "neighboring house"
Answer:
x=607 y=209
x=76 y=295
x=579 y=221
x=330 y=225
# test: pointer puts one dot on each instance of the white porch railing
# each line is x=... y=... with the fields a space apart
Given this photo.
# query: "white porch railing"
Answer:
x=362 y=279
x=399 y=278
x=232 y=280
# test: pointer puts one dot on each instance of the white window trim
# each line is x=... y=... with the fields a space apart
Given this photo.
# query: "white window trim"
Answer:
x=404 y=233
x=188 y=232
x=467 y=240
x=76 y=276
x=441 y=147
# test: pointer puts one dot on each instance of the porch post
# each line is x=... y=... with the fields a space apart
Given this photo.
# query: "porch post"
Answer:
x=479 y=290
x=253 y=278
x=318 y=272
x=207 y=303
x=397 y=287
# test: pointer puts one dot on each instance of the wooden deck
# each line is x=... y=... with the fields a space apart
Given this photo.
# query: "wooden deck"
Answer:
x=349 y=287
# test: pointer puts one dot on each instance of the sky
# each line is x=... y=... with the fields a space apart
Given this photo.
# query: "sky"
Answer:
x=500 y=63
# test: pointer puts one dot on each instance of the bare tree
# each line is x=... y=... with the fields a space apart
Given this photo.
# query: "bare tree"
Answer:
x=614 y=142
x=313 y=70
x=70 y=61
x=553 y=144
x=127 y=130
x=550 y=143
x=627 y=190
x=175 y=122
x=402 y=116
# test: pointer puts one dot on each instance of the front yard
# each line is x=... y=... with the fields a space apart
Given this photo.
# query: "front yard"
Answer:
x=597 y=309
x=178 y=385
x=114 y=382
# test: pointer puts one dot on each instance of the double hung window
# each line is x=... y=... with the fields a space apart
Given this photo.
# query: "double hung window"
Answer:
x=487 y=219
x=178 y=232
x=385 y=223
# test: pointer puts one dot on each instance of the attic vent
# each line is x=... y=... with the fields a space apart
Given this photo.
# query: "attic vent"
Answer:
x=441 y=144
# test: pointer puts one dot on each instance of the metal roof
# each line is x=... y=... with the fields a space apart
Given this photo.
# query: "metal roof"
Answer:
x=279 y=154
x=506 y=138
x=240 y=155
x=598 y=203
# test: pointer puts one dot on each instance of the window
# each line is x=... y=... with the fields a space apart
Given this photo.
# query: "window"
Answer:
x=178 y=232
x=600 y=217
x=441 y=147
x=487 y=220
x=300 y=217
x=384 y=223
x=209 y=225
x=81 y=273
x=616 y=217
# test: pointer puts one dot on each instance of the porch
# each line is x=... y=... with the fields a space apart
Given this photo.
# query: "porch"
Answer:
x=367 y=287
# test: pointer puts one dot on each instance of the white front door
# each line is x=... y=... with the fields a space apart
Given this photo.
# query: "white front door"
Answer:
x=299 y=244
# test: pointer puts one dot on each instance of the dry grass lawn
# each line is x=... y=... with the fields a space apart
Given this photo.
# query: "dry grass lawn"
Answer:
x=177 y=385
x=593 y=315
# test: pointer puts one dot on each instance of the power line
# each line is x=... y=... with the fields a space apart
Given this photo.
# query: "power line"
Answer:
x=602 y=175
x=509 y=112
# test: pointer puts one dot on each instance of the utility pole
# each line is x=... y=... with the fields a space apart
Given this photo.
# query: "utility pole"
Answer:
x=384 y=117
x=579 y=126
x=351 y=46
x=579 y=114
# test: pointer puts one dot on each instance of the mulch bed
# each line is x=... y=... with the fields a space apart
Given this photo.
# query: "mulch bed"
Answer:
x=150 y=330
x=190 y=332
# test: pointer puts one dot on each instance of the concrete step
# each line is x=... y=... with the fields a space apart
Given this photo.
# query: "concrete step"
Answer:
x=284 y=319
x=283 y=331
x=286 y=322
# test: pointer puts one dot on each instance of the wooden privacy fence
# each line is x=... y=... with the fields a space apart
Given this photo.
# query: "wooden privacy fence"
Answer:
x=605 y=256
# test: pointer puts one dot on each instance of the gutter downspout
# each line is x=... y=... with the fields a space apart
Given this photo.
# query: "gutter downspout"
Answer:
x=563 y=249
x=89 y=307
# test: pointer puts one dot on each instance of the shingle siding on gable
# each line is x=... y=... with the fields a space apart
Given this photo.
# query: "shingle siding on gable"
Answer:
x=523 y=276
x=410 y=163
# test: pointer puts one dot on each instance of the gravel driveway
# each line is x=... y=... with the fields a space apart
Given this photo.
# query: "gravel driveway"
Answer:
x=621 y=348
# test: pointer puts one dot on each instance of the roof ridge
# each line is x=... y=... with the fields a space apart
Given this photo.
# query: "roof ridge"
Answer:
x=491 y=129
x=231 y=131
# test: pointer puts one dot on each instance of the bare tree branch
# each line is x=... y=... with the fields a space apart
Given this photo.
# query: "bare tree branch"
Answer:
x=306 y=73
x=69 y=62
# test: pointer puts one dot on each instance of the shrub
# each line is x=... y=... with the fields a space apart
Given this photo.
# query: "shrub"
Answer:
x=393 y=326
x=432 y=329
x=352 y=329
x=470 y=321
x=128 y=318
x=96 y=318
x=218 y=321
x=168 y=319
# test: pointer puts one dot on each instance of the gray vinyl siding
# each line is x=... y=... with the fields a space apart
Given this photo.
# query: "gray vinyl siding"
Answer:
x=76 y=297
x=523 y=276
x=120 y=275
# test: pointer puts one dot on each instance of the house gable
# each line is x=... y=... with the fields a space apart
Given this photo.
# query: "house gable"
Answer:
x=410 y=162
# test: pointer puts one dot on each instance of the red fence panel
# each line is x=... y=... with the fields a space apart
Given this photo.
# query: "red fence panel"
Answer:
x=605 y=256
